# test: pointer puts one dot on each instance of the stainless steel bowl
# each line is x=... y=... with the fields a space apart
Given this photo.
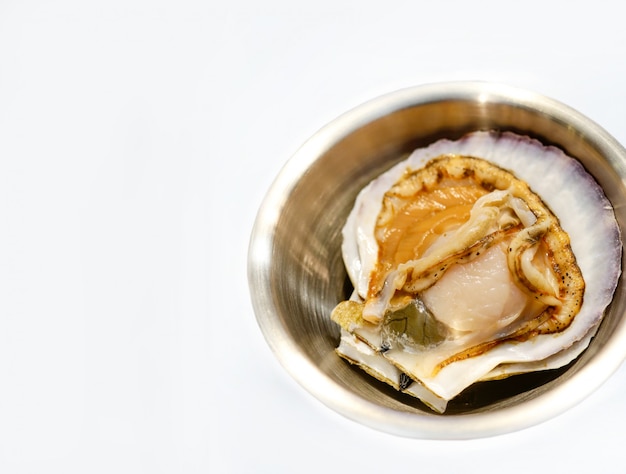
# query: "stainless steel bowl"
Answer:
x=296 y=274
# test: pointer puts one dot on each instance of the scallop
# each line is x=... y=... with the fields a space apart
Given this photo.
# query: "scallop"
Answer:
x=473 y=260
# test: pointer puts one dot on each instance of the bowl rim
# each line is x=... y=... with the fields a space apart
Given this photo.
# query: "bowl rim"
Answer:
x=524 y=414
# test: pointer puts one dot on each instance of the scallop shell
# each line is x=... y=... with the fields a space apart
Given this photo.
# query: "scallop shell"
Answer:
x=584 y=213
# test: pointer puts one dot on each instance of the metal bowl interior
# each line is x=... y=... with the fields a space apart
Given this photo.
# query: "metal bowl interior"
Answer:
x=296 y=273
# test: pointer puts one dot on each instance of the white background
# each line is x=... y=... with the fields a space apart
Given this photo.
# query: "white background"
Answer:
x=137 y=140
